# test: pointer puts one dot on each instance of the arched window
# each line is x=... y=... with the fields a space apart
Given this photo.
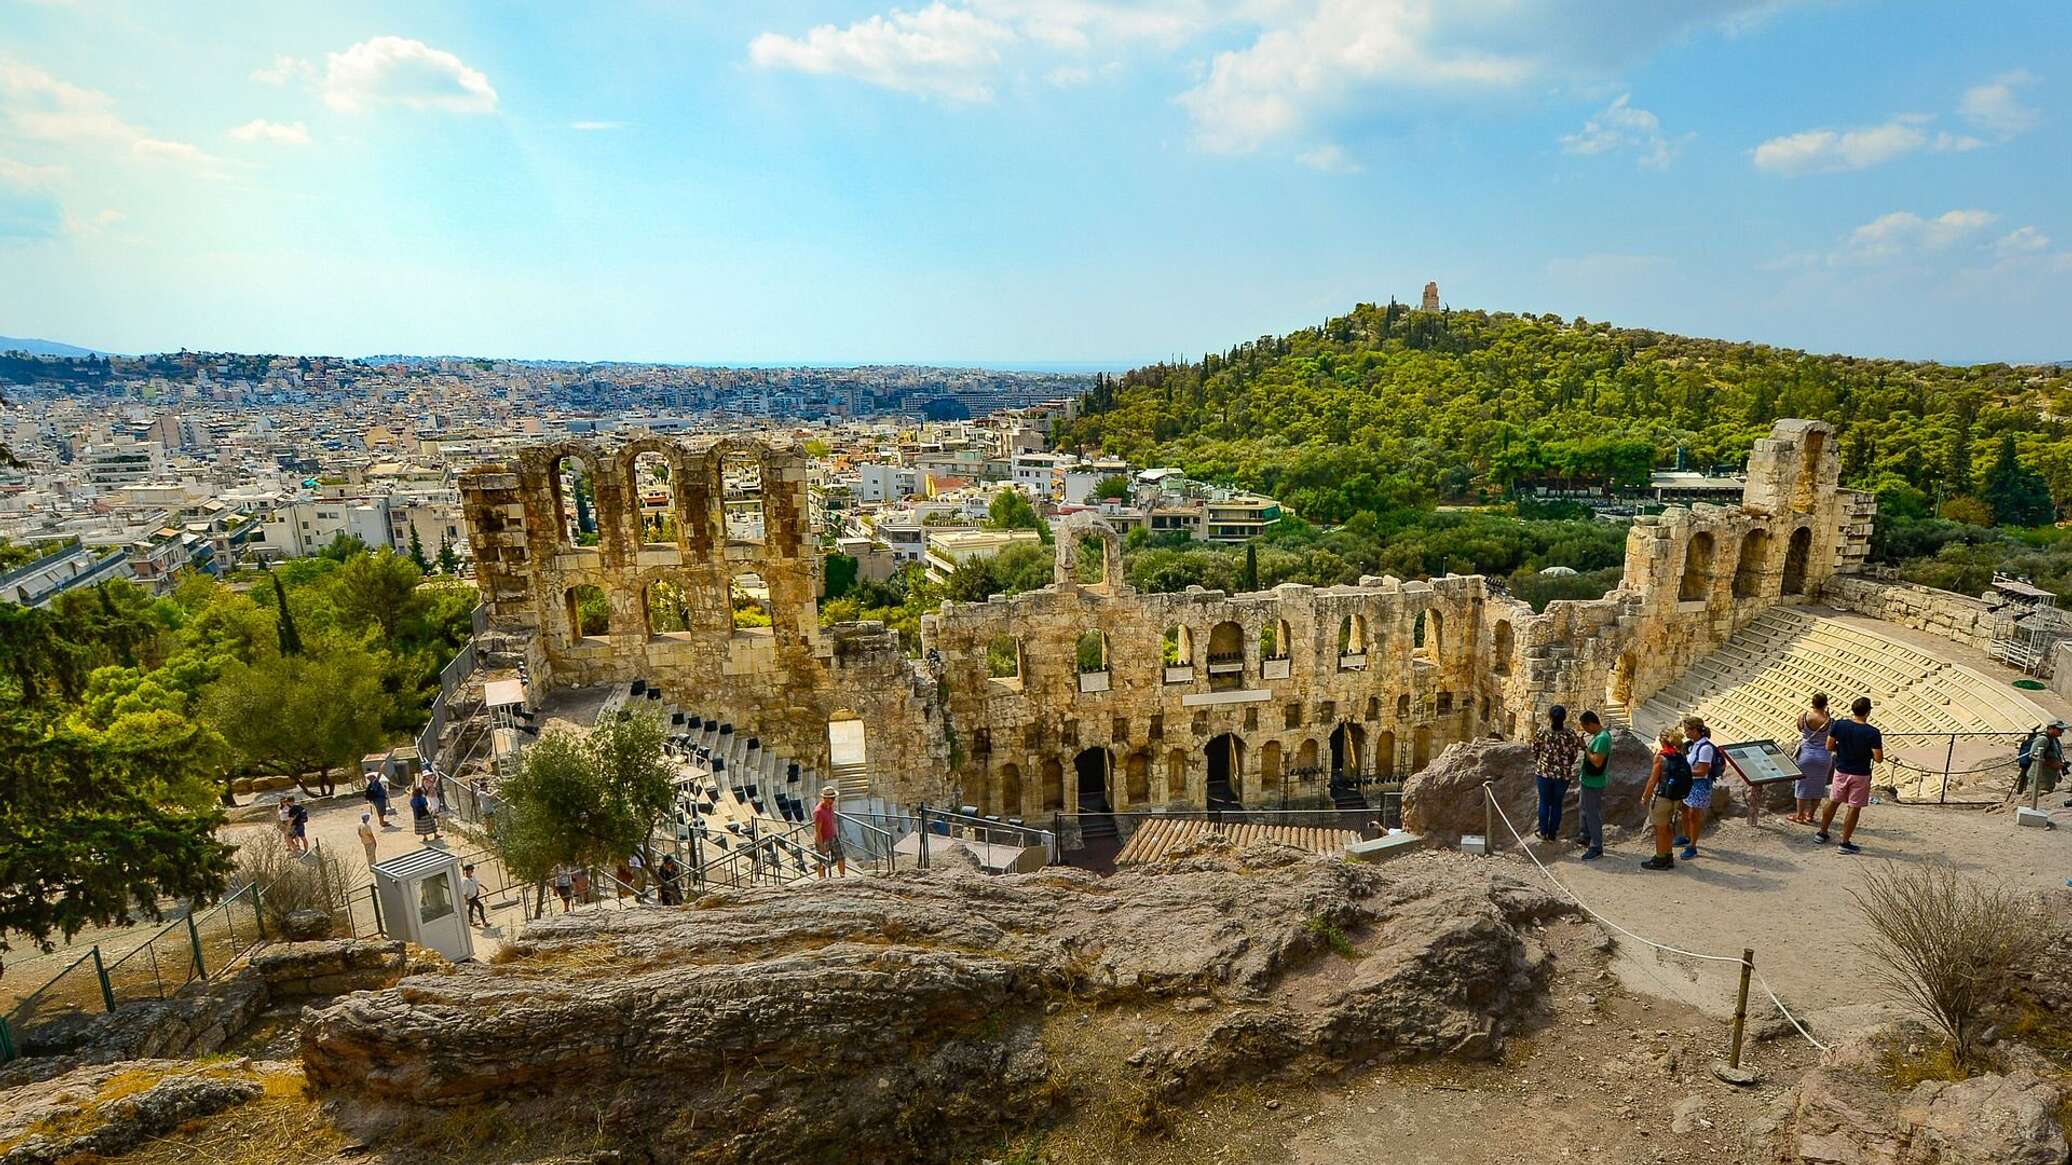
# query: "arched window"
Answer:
x=1137 y=778
x=575 y=499
x=1428 y=635
x=1053 y=785
x=741 y=481
x=1500 y=648
x=1004 y=660
x=654 y=501
x=589 y=614
x=1352 y=642
x=1092 y=653
x=1176 y=646
x=1274 y=640
x=1755 y=556
x=751 y=602
x=1697 y=571
x=1176 y=775
x=1403 y=706
x=1226 y=656
x=668 y=608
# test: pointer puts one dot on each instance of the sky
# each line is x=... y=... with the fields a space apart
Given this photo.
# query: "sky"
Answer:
x=1026 y=181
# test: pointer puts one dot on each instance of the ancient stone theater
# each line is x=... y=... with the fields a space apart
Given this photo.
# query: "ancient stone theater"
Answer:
x=1086 y=695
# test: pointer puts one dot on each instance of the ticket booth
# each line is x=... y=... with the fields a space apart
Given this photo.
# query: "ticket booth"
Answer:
x=421 y=903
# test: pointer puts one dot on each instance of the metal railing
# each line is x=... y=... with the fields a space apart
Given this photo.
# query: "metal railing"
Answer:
x=456 y=672
x=1981 y=767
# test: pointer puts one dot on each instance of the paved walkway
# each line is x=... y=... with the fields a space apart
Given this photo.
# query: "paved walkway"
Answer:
x=1773 y=889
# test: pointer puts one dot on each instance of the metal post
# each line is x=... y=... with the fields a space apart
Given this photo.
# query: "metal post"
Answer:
x=194 y=940
x=101 y=973
x=1741 y=1007
x=1488 y=819
x=258 y=910
x=922 y=812
x=7 y=1050
x=1948 y=757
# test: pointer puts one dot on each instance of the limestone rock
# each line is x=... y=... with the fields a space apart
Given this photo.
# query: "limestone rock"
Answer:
x=65 y=1119
x=819 y=1018
x=1841 y=1112
x=306 y=926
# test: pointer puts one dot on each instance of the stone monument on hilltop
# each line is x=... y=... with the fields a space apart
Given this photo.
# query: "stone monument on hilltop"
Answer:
x=1431 y=296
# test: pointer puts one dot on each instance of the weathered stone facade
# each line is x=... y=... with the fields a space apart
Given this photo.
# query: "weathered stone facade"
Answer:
x=1265 y=696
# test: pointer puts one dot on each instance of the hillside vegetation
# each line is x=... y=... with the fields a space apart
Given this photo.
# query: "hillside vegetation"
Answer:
x=1385 y=408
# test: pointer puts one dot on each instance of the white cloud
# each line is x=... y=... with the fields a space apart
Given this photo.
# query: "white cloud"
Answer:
x=44 y=108
x=1331 y=158
x=940 y=52
x=283 y=70
x=394 y=70
x=596 y=126
x=91 y=224
x=273 y=133
x=1069 y=76
x=1993 y=107
x=1821 y=150
x=2022 y=241
x=23 y=176
x=1904 y=233
x=1622 y=126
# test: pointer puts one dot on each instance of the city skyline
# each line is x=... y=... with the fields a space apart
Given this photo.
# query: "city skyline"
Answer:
x=1030 y=183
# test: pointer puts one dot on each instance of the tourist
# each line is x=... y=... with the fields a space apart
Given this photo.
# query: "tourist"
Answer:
x=564 y=886
x=1554 y=752
x=1703 y=757
x=421 y=816
x=298 y=828
x=471 y=893
x=2050 y=758
x=284 y=821
x=1855 y=745
x=579 y=883
x=1591 y=778
x=665 y=880
x=366 y=832
x=1816 y=764
x=827 y=840
x=1669 y=782
x=377 y=796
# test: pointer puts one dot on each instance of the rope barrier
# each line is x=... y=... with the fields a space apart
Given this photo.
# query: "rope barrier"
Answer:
x=1592 y=912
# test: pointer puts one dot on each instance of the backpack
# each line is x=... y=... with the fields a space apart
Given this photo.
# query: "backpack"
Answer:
x=2026 y=756
x=1675 y=784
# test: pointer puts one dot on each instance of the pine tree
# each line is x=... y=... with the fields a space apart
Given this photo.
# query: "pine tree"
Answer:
x=291 y=639
x=417 y=549
x=2019 y=495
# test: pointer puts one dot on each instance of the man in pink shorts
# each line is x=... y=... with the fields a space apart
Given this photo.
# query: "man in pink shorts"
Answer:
x=1856 y=746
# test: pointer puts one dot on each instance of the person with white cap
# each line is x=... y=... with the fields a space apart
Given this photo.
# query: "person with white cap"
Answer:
x=827 y=840
x=2049 y=760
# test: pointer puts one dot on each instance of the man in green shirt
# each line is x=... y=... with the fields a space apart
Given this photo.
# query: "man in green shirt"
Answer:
x=1594 y=775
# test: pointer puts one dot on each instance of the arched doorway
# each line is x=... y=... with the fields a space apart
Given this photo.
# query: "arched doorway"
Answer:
x=1226 y=755
x=1010 y=791
x=1138 y=768
x=1269 y=766
x=1053 y=785
x=1091 y=769
x=1795 y=557
x=1420 y=749
x=1755 y=559
x=1696 y=582
x=1385 y=756
x=1348 y=741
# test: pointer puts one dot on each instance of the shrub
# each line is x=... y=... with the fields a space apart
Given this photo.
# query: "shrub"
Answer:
x=1950 y=947
x=287 y=883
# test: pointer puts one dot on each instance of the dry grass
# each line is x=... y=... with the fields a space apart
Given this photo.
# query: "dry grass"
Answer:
x=1950 y=947
x=283 y=1123
x=1905 y=1062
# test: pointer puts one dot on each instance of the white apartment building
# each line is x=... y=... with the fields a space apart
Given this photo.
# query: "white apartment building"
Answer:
x=887 y=483
x=123 y=462
x=303 y=528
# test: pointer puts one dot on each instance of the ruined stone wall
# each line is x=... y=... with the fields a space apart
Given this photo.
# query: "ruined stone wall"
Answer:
x=784 y=682
x=1957 y=618
x=1269 y=694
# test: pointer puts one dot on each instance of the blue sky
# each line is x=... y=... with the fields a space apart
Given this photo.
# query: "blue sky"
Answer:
x=1026 y=180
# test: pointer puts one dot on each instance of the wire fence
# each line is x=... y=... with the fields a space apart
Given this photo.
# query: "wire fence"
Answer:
x=198 y=945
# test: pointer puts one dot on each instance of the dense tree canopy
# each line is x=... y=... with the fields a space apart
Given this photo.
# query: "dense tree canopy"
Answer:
x=1385 y=407
x=584 y=799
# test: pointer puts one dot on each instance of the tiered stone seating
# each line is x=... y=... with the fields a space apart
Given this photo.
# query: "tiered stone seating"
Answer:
x=1756 y=683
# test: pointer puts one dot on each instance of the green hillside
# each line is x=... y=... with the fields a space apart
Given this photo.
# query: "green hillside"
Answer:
x=1387 y=408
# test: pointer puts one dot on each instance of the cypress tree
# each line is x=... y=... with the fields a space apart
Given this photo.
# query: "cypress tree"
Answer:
x=417 y=549
x=291 y=640
x=1251 y=567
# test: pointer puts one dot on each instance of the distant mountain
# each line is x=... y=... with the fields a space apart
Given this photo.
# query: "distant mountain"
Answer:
x=44 y=347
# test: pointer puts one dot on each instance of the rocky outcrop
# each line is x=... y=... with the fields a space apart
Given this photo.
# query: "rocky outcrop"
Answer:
x=920 y=1016
x=1445 y=800
x=106 y=1110
x=330 y=966
x=1843 y=1112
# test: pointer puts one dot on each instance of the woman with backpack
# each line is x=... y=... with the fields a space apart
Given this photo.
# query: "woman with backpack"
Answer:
x=1669 y=782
